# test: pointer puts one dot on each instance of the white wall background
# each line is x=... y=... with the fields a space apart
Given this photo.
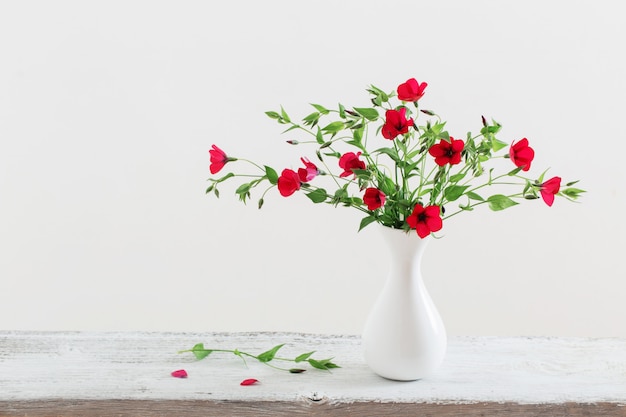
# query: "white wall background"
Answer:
x=108 y=109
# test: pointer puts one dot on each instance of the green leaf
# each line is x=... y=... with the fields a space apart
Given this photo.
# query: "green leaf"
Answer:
x=330 y=365
x=543 y=174
x=358 y=134
x=391 y=152
x=244 y=188
x=271 y=174
x=528 y=188
x=303 y=357
x=364 y=174
x=311 y=118
x=499 y=202
x=270 y=354
x=356 y=144
x=342 y=111
x=283 y=114
x=318 y=196
x=457 y=177
x=292 y=127
x=225 y=177
x=424 y=192
x=319 y=137
x=453 y=192
x=333 y=127
x=438 y=128
x=380 y=95
x=341 y=193
x=514 y=171
x=296 y=370
x=200 y=352
x=366 y=221
x=573 y=192
x=317 y=364
x=324 y=364
x=474 y=196
x=496 y=144
x=368 y=113
x=273 y=114
x=320 y=109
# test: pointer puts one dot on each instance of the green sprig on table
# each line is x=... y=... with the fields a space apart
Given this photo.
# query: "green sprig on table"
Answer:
x=200 y=352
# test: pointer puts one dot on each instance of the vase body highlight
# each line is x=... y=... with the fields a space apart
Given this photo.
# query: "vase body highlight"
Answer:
x=404 y=337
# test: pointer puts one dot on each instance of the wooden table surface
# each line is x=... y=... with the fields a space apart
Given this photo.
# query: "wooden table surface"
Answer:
x=128 y=374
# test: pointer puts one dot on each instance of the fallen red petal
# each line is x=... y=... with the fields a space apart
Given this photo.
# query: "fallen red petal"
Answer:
x=250 y=381
x=181 y=373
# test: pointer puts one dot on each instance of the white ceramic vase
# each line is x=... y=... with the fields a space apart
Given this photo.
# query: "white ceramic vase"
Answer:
x=404 y=337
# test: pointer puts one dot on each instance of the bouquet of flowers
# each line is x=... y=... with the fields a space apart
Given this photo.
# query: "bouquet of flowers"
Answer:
x=412 y=178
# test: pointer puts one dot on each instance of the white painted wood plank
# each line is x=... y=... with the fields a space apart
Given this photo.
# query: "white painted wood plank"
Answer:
x=106 y=366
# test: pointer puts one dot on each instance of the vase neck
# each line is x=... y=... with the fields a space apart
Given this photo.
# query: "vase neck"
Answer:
x=404 y=245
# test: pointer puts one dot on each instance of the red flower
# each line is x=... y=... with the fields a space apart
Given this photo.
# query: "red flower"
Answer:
x=374 y=198
x=411 y=90
x=396 y=123
x=181 y=373
x=425 y=220
x=218 y=159
x=447 y=152
x=309 y=171
x=549 y=189
x=288 y=182
x=521 y=154
x=350 y=161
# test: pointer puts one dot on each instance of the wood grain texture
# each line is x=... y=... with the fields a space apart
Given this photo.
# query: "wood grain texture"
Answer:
x=143 y=408
x=128 y=374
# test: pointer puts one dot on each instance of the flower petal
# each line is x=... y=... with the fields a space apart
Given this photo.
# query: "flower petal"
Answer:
x=548 y=197
x=457 y=144
x=434 y=223
x=250 y=381
x=181 y=373
x=422 y=230
x=437 y=150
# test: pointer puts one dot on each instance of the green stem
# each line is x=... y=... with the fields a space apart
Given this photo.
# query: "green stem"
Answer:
x=478 y=203
x=253 y=163
x=325 y=364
